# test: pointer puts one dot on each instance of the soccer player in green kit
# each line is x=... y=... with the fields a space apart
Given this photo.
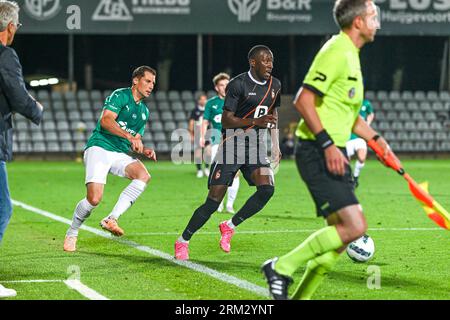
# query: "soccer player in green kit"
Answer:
x=358 y=146
x=213 y=117
x=120 y=127
x=329 y=102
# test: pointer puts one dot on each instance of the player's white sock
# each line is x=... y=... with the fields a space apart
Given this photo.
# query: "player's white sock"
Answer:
x=358 y=168
x=181 y=239
x=127 y=198
x=231 y=224
x=82 y=212
x=232 y=192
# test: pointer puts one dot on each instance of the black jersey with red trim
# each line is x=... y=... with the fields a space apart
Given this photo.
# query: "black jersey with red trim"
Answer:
x=249 y=98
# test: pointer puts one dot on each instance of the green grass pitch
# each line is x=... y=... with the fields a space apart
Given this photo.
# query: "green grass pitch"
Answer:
x=413 y=264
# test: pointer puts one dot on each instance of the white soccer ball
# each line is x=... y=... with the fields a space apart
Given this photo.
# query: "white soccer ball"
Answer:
x=361 y=250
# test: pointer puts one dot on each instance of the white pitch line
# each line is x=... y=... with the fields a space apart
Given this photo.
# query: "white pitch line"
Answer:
x=30 y=281
x=84 y=290
x=242 y=284
x=81 y=288
x=278 y=231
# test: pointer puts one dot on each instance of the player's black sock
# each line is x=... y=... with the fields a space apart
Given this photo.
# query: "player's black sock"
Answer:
x=199 y=218
x=199 y=166
x=254 y=204
x=206 y=166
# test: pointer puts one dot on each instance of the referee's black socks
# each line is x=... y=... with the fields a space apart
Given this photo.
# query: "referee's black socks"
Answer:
x=199 y=218
x=254 y=204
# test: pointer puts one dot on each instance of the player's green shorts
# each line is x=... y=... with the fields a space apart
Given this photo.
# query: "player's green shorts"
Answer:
x=329 y=192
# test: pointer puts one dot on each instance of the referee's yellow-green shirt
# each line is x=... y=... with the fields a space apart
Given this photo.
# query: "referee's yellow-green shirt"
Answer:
x=335 y=76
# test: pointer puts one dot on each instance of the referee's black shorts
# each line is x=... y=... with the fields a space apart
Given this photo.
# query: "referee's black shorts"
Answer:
x=329 y=192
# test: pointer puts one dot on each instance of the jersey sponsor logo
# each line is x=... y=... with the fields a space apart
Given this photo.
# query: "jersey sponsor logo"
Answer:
x=244 y=9
x=215 y=106
x=112 y=10
x=123 y=126
x=322 y=77
x=261 y=111
x=42 y=9
x=252 y=93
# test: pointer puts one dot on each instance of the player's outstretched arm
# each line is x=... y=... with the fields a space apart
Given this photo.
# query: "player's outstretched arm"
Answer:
x=305 y=103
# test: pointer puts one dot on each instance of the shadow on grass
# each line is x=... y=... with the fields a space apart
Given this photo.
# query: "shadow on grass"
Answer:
x=398 y=282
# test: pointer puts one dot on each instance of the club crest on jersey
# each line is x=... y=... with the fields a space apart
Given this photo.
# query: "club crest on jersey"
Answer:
x=217 y=176
x=351 y=93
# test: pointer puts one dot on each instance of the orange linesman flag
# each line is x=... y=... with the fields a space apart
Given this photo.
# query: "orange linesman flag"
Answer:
x=436 y=212
x=433 y=209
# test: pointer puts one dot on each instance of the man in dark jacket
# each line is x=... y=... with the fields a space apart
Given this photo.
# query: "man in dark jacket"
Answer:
x=14 y=98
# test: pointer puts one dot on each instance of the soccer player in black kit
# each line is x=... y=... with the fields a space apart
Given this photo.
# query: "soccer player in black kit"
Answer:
x=250 y=107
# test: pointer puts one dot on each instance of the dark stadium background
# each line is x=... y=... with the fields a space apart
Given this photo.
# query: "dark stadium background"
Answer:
x=113 y=57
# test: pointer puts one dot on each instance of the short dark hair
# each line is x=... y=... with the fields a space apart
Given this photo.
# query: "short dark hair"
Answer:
x=140 y=72
x=221 y=76
x=345 y=11
x=256 y=50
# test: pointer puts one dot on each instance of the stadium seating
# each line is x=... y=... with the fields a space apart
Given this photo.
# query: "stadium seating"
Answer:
x=412 y=121
x=70 y=118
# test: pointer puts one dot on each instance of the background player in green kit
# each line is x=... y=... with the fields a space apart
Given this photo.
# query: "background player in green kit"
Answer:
x=329 y=102
x=213 y=117
x=358 y=146
x=120 y=127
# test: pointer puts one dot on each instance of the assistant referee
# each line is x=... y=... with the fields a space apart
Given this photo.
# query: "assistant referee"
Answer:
x=329 y=102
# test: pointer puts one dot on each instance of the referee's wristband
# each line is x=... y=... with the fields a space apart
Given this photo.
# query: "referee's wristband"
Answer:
x=324 y=140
